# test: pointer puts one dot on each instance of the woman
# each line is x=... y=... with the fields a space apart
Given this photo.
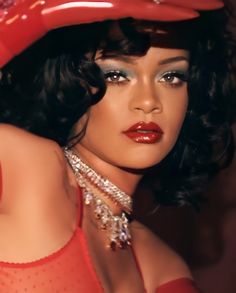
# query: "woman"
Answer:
x=121 y=97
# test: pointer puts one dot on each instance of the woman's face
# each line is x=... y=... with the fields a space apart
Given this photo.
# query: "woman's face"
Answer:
x=138 y=121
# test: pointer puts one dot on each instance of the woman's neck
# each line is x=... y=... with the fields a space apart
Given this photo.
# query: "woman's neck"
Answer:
x=125 y=179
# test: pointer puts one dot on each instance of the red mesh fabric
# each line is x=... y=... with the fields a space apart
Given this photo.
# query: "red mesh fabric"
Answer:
x=182 y=285
x=68 y=270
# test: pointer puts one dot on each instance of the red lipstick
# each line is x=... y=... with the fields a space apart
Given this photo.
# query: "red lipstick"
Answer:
x=142 y=132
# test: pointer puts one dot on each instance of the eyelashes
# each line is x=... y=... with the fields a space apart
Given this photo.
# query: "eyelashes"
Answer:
x=173 y=78
x=116 y=76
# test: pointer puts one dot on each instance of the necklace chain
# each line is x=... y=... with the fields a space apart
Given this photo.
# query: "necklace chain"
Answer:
x=108 y=188
x=117 y=226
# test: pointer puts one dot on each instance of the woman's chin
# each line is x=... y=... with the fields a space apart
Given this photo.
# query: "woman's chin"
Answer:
x=140 y=166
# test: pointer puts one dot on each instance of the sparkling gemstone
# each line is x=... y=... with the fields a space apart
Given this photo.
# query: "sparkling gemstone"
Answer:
x=123 y=236
x=107 y=189
x=88 y=197
x=98 y=201
x=90 y=174
x=104 y=220
x=98 y=211
x=116 y=226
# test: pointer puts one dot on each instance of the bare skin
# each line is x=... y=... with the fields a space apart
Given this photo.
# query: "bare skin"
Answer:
x=145 y=89
x=32 y=209
x=42 y=202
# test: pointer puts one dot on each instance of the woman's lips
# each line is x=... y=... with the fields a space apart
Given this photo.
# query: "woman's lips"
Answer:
x=142 y=132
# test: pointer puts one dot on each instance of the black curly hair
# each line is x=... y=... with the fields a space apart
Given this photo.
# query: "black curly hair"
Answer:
x=47 y=89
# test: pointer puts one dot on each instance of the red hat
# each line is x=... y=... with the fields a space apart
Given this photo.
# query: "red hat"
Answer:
x=22 y=22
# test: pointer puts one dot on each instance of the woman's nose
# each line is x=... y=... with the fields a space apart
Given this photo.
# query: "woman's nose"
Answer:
x=145 y=98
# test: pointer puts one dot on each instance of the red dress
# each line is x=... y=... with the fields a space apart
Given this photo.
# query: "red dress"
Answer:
x=68 y=270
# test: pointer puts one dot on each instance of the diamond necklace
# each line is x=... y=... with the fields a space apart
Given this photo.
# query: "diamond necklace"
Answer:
x=117 y=226
x=108 y=188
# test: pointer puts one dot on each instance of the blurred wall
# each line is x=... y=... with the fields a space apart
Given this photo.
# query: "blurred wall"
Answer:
x=206 y=240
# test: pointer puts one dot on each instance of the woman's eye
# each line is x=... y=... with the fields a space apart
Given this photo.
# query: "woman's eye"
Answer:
x=115 y=76
x=174 y=78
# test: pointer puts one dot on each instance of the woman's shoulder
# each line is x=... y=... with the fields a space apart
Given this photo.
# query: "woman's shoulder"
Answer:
x=158 y=262
x=14 y=137
x=20 y=146
x=30 y=164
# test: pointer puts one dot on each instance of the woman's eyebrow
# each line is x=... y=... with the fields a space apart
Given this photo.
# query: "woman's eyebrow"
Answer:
x=127 y=59
x=173 y=59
